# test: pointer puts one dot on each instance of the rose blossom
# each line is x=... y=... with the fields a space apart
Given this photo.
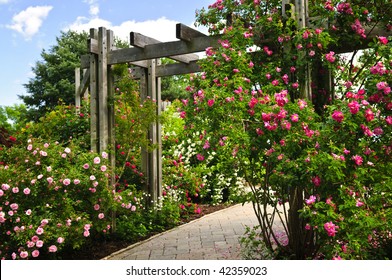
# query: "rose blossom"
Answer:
x=369 y=115
x=26 y=191
x=200 y=157
x=97 y=160
x=39 y=231
x=359 y=203
x=338 y=116
x=35 y=253
x=101 y=216
x=24 y=254
x=60 y=240
x=330 y=228
x=53 y=249
x=383 y=40
x=311 y=200
x=66 y=182
x=357 y=159
x=330 y=57
x=14 y=206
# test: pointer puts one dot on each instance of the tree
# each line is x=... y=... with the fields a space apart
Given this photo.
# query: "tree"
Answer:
x=55 y=75
x=173 y=87
x=13 y=118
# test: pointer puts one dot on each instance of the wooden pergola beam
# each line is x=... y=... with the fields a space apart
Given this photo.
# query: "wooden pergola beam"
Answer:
x=160 y=50
x=141 y=41
x=186 y=33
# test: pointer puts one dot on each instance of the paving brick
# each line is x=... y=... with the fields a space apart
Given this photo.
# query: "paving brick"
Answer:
x=212 y=237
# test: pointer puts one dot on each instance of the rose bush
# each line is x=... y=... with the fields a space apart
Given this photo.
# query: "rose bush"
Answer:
x=317 y=161
x=53 y=198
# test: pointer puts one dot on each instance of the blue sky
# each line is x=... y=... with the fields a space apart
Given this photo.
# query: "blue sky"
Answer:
x=29 y=26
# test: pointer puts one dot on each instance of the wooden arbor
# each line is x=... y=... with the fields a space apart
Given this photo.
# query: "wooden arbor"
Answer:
x=144 y=56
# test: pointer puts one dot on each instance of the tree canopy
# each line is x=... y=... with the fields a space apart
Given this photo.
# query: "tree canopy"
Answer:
x=55 y=75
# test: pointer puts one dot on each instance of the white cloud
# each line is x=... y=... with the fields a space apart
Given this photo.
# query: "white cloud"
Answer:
x=94 y=7
x=29 y=21
x=162 y=29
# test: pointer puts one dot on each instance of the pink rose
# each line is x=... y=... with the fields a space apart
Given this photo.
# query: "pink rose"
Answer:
x=35 y=253
x=383 y=40
x=66 y=182
x=53 y=249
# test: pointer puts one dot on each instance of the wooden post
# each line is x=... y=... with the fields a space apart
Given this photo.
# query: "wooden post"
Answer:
x=85 y=92
x=94 y=94
x=103 y=112
x=159 y=134
x=144 y=153
x=153 y=157
x=111 y=123
x=302 y=17
x=77 y=91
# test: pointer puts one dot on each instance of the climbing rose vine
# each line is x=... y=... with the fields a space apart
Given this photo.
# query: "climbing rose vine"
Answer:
x=317 y=161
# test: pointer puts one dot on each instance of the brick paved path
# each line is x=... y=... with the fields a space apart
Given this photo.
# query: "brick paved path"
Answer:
x=212 y=237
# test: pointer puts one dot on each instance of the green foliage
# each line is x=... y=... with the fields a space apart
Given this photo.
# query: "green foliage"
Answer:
x=52 y=195
x=55 y=75
x=321 y=167
x=13 y=118
x=62 y=124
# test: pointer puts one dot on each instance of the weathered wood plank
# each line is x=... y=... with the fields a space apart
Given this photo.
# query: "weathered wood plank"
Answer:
x=145 y=160
x=77 y=90
x=85 y=61
x=141 y=41
x=153 y=157
x=186 y=33
x=85 y=82
x=143 y=64
x=137 y=73
x=92 y=46
x=93 y=62
x=177 y=69
x=159 y=50
x=158 y=151
x=103 y=89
